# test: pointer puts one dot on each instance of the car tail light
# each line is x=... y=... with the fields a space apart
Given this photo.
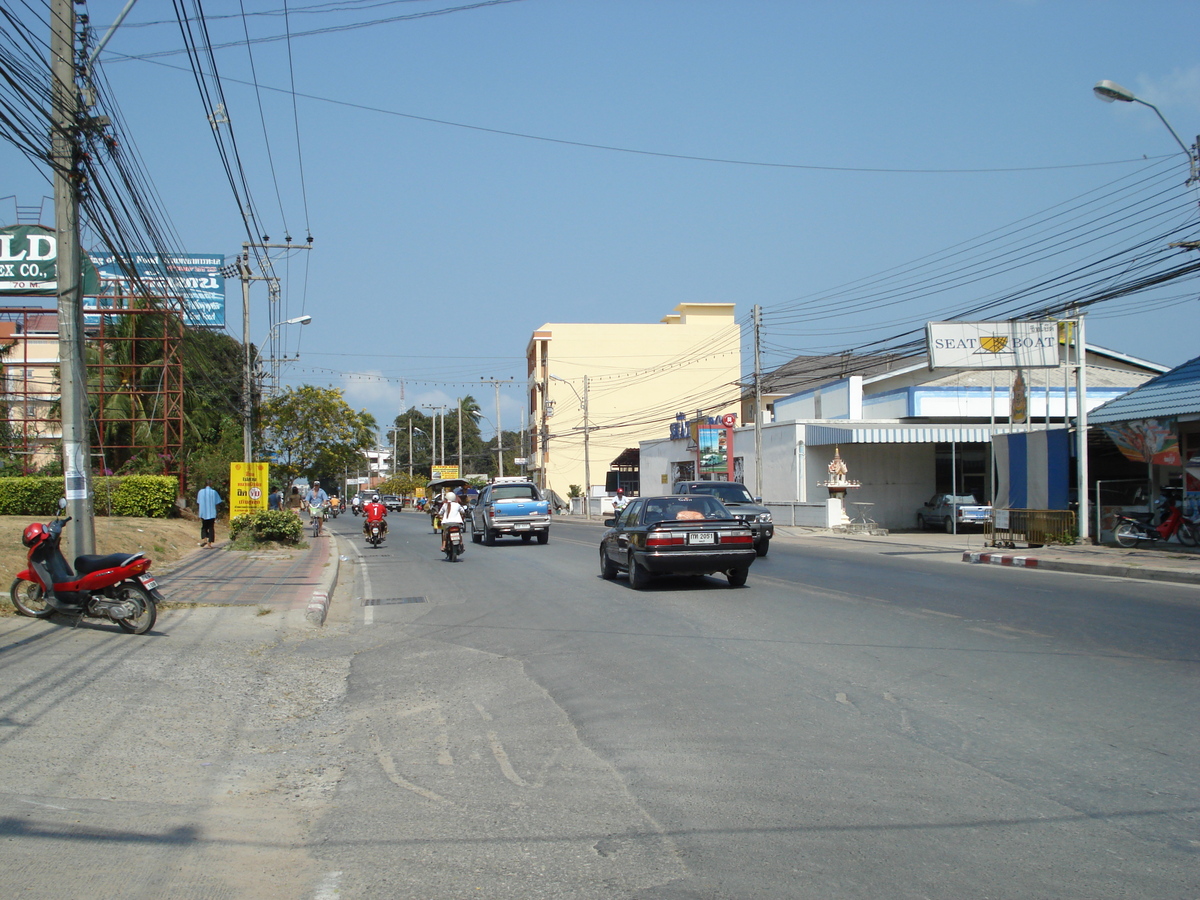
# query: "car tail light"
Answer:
x=737 y=537
x=664 y=540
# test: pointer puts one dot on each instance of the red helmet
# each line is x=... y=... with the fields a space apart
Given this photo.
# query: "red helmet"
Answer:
x=33 y=534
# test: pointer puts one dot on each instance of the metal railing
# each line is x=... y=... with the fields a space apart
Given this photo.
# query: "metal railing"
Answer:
x=1033 y=527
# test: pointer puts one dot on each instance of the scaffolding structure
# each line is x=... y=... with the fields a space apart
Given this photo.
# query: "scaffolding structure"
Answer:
x=134 y=357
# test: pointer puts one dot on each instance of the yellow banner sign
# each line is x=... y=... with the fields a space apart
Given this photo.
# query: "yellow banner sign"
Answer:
x=248 y=486
x=440 y=472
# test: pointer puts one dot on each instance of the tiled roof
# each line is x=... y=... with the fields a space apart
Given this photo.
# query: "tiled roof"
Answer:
x=1173 y=393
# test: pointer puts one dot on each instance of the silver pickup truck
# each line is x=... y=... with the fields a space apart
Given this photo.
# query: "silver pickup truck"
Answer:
x=951 y=511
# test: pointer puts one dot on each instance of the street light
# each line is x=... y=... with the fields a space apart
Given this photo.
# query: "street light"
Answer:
x=1110 y=91
x=587 y=457
x=299 y=320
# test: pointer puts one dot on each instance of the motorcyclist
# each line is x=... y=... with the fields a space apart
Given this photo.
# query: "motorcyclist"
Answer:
x=357 y=503
x=450 y=512
x=374 y=511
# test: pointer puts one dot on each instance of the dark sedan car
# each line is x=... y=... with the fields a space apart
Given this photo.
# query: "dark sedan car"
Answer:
x=677 y=535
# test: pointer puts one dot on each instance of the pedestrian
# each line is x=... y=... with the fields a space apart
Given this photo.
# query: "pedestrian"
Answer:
x=295 y=501
x=275 y=501
x=206 y=503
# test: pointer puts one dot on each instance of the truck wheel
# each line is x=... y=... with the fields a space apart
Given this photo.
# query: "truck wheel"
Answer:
x=476 y=537
x=949 y=525
x=489 y=537
x=543 y=537
x=763 y=545
x=921 y=526
x=526 y=538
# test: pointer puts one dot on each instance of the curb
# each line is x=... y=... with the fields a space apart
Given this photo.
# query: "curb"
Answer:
x=318 y=606
x=1109 y=570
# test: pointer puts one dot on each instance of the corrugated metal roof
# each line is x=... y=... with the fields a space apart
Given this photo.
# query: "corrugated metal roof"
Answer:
x=1175 y=393
x=825 y=435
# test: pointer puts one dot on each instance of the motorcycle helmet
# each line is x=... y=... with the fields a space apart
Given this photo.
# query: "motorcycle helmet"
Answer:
x=33 y=534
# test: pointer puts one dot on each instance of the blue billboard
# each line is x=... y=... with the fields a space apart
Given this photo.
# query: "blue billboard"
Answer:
x=195 y=279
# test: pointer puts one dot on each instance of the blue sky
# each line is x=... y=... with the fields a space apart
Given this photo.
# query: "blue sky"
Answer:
x=857 y=138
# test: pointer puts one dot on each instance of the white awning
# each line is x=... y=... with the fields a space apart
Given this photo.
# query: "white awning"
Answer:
x=850 y=433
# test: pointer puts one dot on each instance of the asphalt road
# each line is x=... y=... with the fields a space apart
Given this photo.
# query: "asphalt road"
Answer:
x=859 y=721
x=853 y=723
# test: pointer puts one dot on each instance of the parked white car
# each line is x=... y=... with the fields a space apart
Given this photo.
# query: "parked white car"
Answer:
x=943 y=510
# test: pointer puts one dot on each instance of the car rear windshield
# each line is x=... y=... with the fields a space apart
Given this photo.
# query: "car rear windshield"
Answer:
x=515 y=492
x=697 y=506
x=733 y=493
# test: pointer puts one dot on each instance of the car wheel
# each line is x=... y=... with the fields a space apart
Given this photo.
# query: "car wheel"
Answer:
x=762 y=547
x=607 y=570
x=737 y=576
x=639 y=577
x=489 y=537
x=921 y=522
x=948 y=524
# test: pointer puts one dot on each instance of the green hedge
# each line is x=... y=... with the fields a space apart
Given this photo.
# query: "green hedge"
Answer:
x=152 y=496
x=281 y=525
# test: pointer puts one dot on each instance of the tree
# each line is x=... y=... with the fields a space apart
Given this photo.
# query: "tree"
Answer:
x=313 y=430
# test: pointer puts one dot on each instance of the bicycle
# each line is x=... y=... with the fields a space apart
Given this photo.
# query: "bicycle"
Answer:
x=314 y=515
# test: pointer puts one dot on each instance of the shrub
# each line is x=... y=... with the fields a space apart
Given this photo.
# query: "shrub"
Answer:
x=269 y=525
x=152 y=496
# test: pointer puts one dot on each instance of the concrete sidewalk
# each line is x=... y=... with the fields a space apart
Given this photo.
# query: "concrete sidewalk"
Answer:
x=1171 y=562
x=280 y=579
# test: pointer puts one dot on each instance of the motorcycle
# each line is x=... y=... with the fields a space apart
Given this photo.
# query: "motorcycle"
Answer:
x=117 y=586
x=454 y=541
x=356 y=505
x=334 y=509
x=1133 y=529
x=375 y=533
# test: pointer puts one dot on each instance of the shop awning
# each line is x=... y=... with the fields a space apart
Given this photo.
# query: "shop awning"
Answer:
x=851 y=433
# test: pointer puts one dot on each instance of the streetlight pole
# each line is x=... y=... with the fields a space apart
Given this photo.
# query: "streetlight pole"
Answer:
x=298 y=320
x=1110 y=91
x=587 y=456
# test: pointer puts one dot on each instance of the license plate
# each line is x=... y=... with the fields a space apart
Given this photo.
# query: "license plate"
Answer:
x=702 y=537
x=522 y=527
x=149 y=583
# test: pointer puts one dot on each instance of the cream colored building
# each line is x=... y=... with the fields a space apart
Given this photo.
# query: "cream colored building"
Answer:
x=633 y=380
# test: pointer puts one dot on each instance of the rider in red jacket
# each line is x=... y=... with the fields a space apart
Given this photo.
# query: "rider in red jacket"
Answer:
x=374 y=511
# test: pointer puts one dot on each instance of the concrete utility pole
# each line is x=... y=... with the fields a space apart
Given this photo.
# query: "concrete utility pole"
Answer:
x=587 y=454
x=460 y=453
x=757 y=402
x=76 y=443
x=496 y=382
x=247 y=275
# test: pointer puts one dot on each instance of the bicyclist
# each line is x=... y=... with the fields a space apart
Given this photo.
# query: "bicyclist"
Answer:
x=316 y=500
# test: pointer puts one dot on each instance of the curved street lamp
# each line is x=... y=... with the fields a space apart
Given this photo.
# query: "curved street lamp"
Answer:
x=1110 y=91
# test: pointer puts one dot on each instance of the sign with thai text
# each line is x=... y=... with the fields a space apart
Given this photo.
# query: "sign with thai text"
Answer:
x=993 y=345
x=248 y=488
x=195 y=279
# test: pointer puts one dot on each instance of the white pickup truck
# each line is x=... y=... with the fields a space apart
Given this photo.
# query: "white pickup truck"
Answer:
x=944 y=510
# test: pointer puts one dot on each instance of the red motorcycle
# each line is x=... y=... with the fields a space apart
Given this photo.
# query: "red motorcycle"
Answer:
x=117 y=586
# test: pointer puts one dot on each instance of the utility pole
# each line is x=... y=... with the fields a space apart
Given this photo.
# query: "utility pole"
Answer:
x=496 y=382
x=587 y=455
x=410 y=448
x=757 y=402
x=460 y=453
x=76 y=443
x=247 y=275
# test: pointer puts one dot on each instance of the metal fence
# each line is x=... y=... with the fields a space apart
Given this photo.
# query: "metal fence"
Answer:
x=1032 y=527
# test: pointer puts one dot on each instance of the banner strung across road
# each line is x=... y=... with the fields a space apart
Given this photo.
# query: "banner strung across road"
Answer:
x=248 y=487
x=993 y=345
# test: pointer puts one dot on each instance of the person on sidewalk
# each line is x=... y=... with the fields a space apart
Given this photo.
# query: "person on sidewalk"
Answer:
x=316 y=501
x=207 y=502
x=275 y=501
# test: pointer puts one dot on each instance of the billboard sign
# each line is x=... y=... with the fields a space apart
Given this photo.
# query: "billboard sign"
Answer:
x=195 y=278
x=29 y=261
x=992 y=345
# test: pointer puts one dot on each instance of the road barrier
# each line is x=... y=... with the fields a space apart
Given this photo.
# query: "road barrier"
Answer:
x=1032 y=527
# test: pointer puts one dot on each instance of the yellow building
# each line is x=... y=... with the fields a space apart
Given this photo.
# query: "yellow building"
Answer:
x=630 y=380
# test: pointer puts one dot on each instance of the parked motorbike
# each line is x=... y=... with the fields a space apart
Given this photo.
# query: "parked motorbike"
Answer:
x=454 y=541
x=1133 y=529
x=117 y=586
x=374 y=533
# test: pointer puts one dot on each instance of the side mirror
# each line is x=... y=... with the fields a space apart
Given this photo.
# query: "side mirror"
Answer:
x=610 y=523
x=62 y=502
x=758 y=499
